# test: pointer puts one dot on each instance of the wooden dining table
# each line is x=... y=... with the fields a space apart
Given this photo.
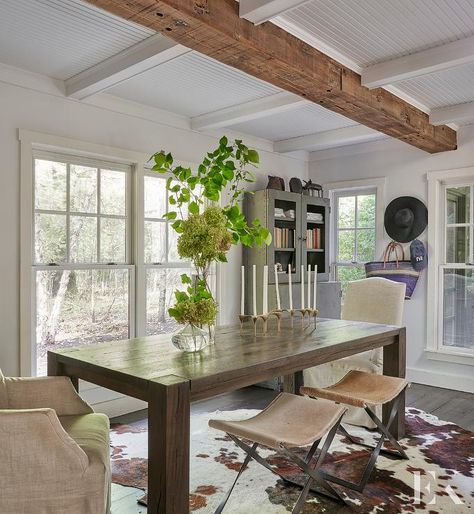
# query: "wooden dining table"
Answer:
x=151 y=369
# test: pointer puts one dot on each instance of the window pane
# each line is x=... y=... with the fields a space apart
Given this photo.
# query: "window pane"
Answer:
x=155 y=197
x=365 y=245
x=112 y=192
x=346 y=243
x=50 y=238
x=366 y=211
x=79 y=307
x=457 y=244
x=50 y=185
x=346 y=211
x=346 y=274
x=458 y=316
x=173 y=255
x=83 y=192
x=160 y=287
x=155 y=241
x=458 y=204
x=83 y=239
x=112 y=240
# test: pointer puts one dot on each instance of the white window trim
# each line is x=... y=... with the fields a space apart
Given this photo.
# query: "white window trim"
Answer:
x=437 y=180
x=379 y=184
x=30 y=142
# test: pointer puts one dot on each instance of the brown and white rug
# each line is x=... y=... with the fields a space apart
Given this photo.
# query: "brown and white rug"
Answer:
x=441 y=467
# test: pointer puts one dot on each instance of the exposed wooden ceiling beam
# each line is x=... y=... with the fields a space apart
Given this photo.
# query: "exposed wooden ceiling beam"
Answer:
x=258 y=11
x=214 y=28
x=440 y=58
x=459 y=113
x=328 y=139
x=141 y=57
x=253 y=110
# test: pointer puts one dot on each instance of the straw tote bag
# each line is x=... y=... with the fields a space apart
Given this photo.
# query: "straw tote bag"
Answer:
x=398 y=270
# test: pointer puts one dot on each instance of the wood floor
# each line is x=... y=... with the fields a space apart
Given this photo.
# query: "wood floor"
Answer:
x=446 y=404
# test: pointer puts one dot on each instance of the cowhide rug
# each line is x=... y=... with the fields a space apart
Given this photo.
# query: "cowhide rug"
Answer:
x=441 y=461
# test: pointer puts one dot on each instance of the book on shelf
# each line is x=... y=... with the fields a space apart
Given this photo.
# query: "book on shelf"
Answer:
x=284 y=237
x=313 y=239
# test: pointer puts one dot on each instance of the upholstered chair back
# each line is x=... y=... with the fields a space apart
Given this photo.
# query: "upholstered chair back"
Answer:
x=375 y=300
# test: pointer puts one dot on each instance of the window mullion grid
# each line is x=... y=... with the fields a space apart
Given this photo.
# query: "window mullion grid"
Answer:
x=471 y=230
x=356 y=249
x=68 y=210
x=99 y=182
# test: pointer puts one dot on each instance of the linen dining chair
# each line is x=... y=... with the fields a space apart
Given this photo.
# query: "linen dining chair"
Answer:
x=375 y=300
x=54 y=450
x=287 y=423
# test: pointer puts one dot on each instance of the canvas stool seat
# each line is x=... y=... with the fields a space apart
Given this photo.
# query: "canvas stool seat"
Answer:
x=290 y=421
x=366 y=391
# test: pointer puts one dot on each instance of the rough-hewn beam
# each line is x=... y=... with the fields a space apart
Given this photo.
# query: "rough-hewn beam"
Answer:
x=214 y=28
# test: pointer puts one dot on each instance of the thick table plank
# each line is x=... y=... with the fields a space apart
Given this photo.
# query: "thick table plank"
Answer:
x=150 y=369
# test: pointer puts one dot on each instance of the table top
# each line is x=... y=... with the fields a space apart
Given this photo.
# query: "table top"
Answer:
x=237 y=358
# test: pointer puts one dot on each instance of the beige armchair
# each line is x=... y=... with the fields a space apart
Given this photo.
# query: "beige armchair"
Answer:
x=375 y=300
x=54 y=450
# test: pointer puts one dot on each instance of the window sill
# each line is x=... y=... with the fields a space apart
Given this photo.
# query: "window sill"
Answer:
x=457 y=358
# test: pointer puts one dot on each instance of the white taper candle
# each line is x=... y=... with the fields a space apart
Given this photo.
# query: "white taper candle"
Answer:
x=265 y=290
x=315 y=283
x=309 y=286
x=276 y=288
x=290 y=287
x=254 y=289
x=242 y=294
x=302 y=286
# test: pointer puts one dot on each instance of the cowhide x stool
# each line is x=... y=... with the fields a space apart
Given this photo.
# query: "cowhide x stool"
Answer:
x=289 y=422
x=365 y=390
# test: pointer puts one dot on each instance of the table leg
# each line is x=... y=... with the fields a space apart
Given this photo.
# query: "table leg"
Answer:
x=293 y=382
x=55 y=369
x=394 y=364
x=168 y=446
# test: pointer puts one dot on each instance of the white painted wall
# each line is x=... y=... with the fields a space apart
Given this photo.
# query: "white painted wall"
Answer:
x=96 y=122
x=405 y=168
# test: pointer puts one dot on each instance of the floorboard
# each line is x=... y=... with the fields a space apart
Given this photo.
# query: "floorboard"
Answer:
x=448 y=405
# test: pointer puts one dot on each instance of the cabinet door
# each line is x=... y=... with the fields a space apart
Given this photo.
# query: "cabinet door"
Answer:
x=283 y=219
x=315 y=234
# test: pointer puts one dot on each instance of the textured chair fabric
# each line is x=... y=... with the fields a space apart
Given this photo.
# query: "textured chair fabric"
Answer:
x=360 y=389
x=289 y=421
x=51 y=464
x=374 y=300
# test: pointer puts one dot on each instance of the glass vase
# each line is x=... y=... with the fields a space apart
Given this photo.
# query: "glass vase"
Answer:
x=191 y=338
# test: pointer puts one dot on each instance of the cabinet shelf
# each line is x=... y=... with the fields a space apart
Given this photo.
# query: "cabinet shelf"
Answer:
x=315 y=249
x=284 y=249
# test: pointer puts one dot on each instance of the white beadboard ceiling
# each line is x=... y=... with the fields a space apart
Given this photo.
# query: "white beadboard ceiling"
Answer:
x=192 y=85
x=309 y=119
x=61 y=38
x=370 y=31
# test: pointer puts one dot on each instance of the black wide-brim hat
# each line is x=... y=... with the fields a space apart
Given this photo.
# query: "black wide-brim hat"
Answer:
x=405 y=218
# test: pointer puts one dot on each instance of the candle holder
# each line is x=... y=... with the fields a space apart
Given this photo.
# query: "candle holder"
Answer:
x=254 y=318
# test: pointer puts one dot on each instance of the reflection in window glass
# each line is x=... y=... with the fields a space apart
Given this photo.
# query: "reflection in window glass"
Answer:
x=458 y=204
x=80 y=307
x=457 y=244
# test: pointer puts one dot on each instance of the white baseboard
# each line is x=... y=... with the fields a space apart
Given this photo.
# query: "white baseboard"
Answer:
x=445 y=380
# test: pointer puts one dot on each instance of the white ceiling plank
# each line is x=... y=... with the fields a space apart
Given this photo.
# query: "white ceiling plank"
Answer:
x=459 y=114
x=328 y=139
x=137 y=59
x=432 y=60
x=255 y=109
x=259 y=11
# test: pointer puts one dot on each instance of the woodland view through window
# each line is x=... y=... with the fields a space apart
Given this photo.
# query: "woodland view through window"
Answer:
x=88 y=277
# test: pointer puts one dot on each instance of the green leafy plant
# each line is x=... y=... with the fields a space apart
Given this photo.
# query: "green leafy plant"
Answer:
x=210 y=228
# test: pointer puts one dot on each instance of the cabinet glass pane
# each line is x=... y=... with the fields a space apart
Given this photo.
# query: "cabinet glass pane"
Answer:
x=80 y=307
x=83 y=189
x=112 y=240
x=50 y=185
x=458 y=303
x=346 y=211
x=458 y=204
x=112 y=192
x=83 y=239
x=457 y=244
x=50 y=238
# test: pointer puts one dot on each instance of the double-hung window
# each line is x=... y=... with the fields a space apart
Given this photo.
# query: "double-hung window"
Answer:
x=354 y=241
x=82 y=274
